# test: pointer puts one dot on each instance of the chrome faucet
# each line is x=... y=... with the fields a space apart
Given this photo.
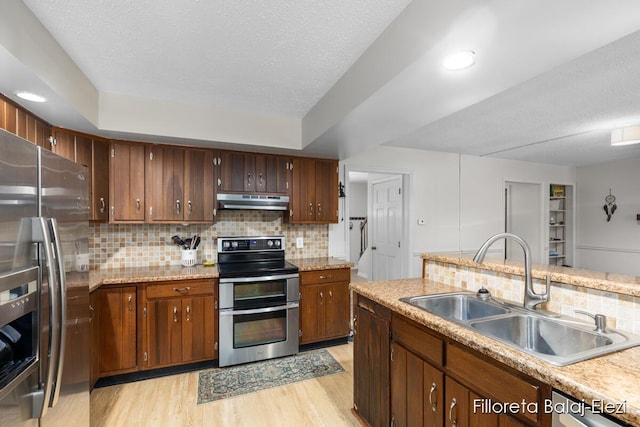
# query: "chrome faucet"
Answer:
x=531 y=299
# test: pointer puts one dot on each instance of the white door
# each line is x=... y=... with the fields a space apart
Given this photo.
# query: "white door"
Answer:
x=524 y=218
x=387 y=229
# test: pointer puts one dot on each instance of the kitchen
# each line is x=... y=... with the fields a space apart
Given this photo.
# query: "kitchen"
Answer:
x=448 y=187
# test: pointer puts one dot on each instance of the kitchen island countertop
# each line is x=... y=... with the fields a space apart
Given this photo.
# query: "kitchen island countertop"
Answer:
x=611 y=379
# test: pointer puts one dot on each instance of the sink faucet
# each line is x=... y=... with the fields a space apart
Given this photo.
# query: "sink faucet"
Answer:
x=531 y=299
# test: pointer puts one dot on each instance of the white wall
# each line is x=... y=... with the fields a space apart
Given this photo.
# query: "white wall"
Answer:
x=459 y=197
x=612 y=246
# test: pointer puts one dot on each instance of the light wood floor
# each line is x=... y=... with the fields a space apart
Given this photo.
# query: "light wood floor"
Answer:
x=171 y=401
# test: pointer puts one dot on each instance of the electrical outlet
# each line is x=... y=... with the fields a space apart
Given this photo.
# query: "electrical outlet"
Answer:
x=299 y=242
x=421 y=222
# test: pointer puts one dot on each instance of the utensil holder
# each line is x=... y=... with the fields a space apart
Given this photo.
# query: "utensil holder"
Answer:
x=189 y=257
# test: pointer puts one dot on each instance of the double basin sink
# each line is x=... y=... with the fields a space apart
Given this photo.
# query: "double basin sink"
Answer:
x=556 y=339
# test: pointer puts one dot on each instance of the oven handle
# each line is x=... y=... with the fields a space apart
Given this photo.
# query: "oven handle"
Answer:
x=231 y=312
x=259 y=279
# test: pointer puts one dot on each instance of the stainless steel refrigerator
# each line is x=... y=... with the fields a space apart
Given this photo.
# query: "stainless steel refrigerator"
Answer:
x=44 y=287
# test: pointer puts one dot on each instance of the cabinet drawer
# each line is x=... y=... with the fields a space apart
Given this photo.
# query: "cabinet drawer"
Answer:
x=325 y=276
x=418 y=340
x=179 y=288
x=491 y=380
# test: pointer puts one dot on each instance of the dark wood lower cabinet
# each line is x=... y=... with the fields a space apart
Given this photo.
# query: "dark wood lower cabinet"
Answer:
x=371 y=362
x=431 y=380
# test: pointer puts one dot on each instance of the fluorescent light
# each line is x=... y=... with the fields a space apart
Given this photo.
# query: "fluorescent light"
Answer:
x=459 y=60
x=625 y=136
x=30 y=96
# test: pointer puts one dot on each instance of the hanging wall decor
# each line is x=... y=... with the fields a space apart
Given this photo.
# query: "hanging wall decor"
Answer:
x=610 y=206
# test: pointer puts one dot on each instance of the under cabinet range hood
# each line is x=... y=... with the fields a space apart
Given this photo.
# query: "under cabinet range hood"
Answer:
x=253 y=201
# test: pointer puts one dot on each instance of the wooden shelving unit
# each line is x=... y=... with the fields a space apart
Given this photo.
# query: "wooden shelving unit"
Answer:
x=561 y=225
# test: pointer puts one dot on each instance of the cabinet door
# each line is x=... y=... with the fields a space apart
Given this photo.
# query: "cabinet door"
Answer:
x=371 y=367
x=65 y=144
x=303 y=192
x=198 y=326
x=417 y=390
x=458 y=401
x=165 y=173
x=309 y=309
x=199 y=186
x=94 y=352
x=99 y=180
x=127 y=180
x=43 y=132
x=10 y=118
x=326 y=191
x=116 y=315
x=336 y=310
x=231 y=177
x=21 y=123
x=164 y=332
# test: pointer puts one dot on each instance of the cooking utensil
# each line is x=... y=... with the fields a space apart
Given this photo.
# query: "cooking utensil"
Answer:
x=177 y=240
x=196 y=242
x=187 y=243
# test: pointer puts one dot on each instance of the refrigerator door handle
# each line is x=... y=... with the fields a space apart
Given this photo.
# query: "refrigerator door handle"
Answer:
x=62 y=307
x=41 y=234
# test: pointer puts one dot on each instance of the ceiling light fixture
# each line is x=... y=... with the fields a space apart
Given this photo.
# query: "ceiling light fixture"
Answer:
x=625 y=136
x=459 y=60
x=29 y=96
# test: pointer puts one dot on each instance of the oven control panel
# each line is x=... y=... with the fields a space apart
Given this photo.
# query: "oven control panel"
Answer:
x=238 y=244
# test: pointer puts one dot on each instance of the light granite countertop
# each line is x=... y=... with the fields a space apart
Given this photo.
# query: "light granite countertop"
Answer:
x=119 y=276
x=321 y=263
x=611 y=379
x=609 y=282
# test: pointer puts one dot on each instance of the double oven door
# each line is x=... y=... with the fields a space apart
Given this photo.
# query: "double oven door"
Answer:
x=258 y=318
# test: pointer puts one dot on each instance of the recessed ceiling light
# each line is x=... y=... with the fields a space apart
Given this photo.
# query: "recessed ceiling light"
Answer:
x=459 y=60
x=30 y=96
x=625 y=136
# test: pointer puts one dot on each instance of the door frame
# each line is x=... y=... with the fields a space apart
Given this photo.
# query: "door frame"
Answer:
x=407 y=243
x=544 y=236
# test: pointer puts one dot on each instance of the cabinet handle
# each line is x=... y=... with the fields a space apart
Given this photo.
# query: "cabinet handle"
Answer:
x=310 y=209
x=103 y=205
x=137 y=205
x=325 y=277
x=175 y=314
x=434 y=405
x=184 y=290
x=178 y=207
x=355 y=324
x=129 y=305
x=321 y=297
x=92 y=312
x=190 y=205
x=319 y=209
x=188 y=313
x=249 y=180
x=454 y=402
x=260 y=179
x=330 y=296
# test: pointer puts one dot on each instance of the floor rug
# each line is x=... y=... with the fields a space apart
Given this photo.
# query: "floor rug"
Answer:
x=232 y=381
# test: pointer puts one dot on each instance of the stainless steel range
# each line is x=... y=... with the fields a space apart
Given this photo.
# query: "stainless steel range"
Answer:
x=259 y=296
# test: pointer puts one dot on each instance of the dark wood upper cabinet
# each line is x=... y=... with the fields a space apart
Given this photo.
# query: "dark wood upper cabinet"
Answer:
x=180 y=185
x=21 y=122
x=314 y=195
x=127 y=182
x=93 y=153
x=253 y=173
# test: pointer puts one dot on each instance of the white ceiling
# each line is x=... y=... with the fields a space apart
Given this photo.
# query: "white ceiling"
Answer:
x=551 y=80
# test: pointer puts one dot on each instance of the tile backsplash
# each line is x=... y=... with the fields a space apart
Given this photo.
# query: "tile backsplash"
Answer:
x=150 y=245
x=622 y=311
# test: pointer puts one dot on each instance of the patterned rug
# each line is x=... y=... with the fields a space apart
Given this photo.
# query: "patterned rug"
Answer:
x=221 y=383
